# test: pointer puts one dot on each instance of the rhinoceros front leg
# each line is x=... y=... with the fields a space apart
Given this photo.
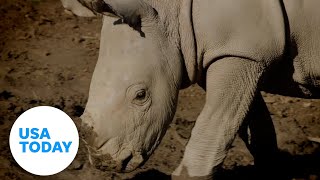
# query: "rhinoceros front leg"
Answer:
x=231 y=86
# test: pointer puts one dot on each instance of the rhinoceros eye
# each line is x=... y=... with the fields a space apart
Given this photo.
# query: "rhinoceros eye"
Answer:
x=141 y=95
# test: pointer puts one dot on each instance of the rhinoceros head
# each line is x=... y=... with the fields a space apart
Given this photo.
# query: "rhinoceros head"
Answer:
x=134 y=88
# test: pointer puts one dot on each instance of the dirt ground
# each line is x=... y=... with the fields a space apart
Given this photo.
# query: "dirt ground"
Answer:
x=47 y=58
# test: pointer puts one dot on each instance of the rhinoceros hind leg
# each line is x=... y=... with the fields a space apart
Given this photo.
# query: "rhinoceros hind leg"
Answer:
x=259 y=135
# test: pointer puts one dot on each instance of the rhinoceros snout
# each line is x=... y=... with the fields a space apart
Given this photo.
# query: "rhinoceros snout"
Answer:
x=87 y=132
x=100 y=161
x=105 y=162
x=123 y=161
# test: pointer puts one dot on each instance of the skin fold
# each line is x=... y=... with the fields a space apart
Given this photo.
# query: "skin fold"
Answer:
x=233 y=49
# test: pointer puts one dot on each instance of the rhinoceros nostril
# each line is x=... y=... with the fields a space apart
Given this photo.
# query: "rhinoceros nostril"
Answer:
x=133 y=163
x=125 y=162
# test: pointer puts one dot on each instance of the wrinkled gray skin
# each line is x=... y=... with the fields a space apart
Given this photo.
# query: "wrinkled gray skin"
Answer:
x=233 y=49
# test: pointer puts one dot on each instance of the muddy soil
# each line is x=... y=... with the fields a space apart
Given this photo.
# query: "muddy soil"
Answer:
x=47 y=58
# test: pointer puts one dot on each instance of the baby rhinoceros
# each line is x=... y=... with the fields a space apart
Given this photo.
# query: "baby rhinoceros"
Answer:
x=234 y=49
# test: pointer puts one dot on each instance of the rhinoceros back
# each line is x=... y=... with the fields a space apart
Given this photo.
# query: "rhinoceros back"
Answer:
x=243 y=28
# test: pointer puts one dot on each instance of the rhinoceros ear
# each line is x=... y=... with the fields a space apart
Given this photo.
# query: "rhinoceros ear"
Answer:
x=128 y=11
x=77 y=8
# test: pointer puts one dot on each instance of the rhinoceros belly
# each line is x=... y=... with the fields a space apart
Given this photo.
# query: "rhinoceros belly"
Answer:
x=289 y=78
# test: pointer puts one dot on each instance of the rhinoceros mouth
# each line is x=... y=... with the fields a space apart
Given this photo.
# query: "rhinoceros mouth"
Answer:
x=105 y=162
x=123 y=161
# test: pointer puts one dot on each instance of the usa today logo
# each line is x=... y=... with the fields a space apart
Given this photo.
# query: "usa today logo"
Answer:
x=44 y=140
